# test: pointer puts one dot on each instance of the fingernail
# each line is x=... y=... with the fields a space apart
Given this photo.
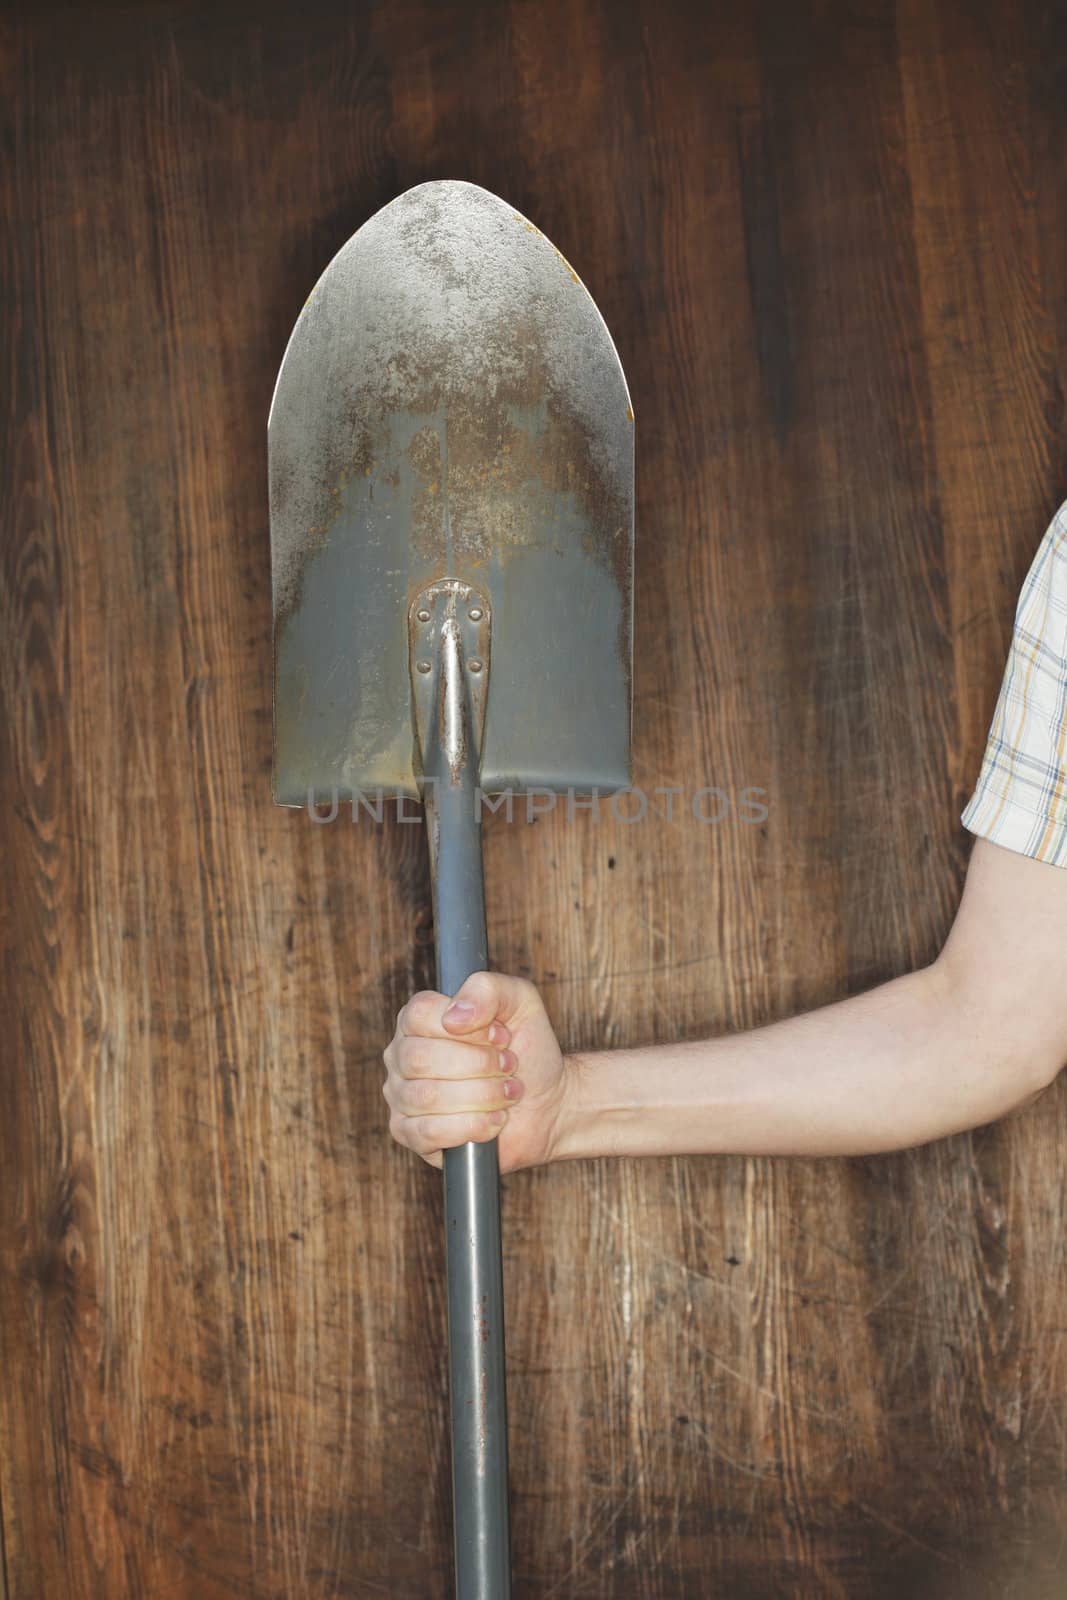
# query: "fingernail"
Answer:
x=513 y=1089
x=508 y=1062
x=497 y=1117
x=459 y=1011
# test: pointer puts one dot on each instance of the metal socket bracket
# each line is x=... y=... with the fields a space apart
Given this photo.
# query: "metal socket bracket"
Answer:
x=449 y=685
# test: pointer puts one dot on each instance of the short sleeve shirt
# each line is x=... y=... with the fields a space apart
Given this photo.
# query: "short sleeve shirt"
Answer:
x=1020 y=800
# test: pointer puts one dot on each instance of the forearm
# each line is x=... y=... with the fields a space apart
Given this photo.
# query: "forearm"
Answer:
x=903 y=1064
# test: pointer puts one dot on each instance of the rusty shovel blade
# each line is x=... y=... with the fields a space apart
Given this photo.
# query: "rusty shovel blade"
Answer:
x=450 y=407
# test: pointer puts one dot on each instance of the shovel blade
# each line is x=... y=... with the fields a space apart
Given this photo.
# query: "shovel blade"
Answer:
x=450 y=406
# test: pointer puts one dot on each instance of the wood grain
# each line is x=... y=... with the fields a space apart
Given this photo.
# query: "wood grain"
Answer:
x=828 y=241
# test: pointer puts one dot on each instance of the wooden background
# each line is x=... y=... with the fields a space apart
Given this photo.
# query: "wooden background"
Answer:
x=829 y=240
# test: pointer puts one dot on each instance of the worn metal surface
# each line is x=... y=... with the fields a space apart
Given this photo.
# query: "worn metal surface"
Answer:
x=450 y=405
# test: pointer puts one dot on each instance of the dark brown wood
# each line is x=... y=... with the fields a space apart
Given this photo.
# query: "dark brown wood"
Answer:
x=829 y=242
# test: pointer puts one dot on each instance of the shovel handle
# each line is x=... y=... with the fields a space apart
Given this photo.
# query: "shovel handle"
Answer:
x=472 y=1223
x=449 y=644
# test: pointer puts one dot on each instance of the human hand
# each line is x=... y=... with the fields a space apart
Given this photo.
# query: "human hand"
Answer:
x=453 y=1063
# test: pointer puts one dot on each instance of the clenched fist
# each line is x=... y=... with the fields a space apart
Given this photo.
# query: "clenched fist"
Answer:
x=483 y=1065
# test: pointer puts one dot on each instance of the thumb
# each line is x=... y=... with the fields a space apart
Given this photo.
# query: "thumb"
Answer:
x=486 y=997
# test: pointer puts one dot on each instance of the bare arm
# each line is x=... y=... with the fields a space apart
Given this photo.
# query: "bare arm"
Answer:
x=958 y=1044
x=979 y=1033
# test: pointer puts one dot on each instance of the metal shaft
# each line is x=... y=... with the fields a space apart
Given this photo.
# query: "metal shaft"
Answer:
x=471 y=1172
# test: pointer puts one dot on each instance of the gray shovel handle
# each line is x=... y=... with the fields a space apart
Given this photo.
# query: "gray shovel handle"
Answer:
x=472 y=1223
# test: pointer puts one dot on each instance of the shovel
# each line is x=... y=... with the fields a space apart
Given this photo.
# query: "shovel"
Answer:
x=451 y=509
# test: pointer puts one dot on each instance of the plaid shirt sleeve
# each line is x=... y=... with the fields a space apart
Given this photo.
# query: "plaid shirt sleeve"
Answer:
x=1021 y=796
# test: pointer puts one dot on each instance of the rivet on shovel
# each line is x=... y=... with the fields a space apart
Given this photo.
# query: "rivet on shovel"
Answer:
x=448 y=292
